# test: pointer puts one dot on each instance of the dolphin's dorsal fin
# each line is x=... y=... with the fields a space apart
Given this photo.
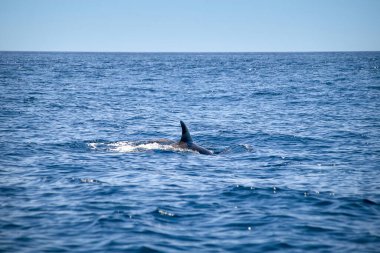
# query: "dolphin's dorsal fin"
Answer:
x=186 y=137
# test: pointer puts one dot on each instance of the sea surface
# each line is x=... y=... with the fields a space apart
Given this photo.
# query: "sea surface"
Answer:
x=295 y=137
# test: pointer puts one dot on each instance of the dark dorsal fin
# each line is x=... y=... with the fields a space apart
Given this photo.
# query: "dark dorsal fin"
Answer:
x=186 y=137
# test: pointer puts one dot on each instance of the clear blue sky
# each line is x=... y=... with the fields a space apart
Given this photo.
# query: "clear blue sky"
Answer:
x=191 y=25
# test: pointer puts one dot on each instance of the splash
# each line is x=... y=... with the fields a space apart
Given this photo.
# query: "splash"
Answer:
x=130 y=147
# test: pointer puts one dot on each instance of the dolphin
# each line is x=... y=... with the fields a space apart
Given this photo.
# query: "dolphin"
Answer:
x=186 y=142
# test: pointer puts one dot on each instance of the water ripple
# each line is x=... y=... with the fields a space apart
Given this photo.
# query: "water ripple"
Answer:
x=295 y=137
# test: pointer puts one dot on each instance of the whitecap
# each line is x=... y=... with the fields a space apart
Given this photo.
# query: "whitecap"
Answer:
x=129 y=147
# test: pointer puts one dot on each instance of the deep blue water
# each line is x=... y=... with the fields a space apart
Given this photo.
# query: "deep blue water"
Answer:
x=296 y=137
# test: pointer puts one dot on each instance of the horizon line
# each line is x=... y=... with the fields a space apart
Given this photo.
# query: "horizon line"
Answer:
x=184 y=52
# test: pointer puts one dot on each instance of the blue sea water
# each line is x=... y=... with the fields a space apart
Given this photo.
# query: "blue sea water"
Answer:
x=295 y=135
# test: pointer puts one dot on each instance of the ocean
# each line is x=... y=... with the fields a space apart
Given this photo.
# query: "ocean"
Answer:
x=295 y=137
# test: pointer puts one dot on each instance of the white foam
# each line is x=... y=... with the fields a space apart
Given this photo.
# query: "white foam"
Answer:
x=93 y=145
x=129 y=147
x=122 y=146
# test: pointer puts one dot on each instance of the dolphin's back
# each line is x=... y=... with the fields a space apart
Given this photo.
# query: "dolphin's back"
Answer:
x=201 y=150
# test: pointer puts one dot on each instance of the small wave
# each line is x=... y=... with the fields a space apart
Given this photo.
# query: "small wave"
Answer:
x=85 y=180
x=165 y=213
x=130 y=147
x=240 y=148
x=250 y=191
x=127 y=147
x=89 y=180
